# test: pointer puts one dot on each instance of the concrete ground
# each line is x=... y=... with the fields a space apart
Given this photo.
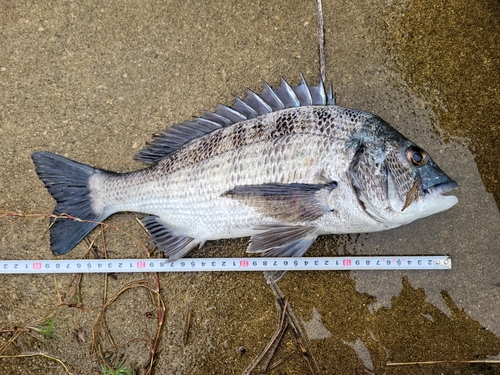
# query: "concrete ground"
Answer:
x=93 y=81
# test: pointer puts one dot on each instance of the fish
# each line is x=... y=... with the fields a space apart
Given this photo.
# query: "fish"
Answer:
x=282 y=167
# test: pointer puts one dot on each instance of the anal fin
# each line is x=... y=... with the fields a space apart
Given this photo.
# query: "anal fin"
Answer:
x=282 y=241
x=172 y=245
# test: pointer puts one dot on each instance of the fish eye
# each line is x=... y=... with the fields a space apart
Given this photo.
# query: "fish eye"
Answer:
x=416 y=156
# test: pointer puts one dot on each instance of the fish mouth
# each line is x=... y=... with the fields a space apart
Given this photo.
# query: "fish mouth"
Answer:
x=439 y=190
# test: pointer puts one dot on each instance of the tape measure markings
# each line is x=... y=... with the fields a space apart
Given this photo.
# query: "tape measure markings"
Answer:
x=226 y=264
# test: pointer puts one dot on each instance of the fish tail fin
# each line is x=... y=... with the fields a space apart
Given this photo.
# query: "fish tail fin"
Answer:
x=68 y=183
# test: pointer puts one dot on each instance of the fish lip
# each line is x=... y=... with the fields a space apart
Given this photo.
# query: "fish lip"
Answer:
x=443 y=188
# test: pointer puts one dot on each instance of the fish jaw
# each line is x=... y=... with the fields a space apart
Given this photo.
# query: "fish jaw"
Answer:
x=436 y=199
x=436 y=191
x=431 y=201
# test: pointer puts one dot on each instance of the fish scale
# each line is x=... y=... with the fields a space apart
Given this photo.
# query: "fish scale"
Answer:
x=282 y=166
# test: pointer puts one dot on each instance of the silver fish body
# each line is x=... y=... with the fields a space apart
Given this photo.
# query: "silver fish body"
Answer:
x=283 y=167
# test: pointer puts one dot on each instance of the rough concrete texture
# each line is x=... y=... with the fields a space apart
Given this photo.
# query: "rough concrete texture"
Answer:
x=93 y=80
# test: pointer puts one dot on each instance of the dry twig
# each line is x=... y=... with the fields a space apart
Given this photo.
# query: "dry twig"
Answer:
x=321 y=40
x=494 y=361
x=286 y=319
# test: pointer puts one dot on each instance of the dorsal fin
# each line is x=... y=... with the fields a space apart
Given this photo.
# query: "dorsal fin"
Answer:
x=251 y=106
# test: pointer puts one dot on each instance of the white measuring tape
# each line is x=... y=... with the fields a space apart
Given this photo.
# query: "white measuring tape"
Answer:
x=226 y=264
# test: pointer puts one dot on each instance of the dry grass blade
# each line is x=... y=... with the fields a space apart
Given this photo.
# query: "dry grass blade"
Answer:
x=132 y=285
x=494 y=361
x=294 y=324
x=11 y=340
x=4 y=213
x=161 y=319
x=321 y=40
x=153 y=288
x=287 y=319
x=279 y=362
x=40 y=355
x=187 y=325
x=276 y=337
x=153 y=345
x=282 y=327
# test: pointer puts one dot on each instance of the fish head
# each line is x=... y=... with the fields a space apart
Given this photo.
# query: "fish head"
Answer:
x=395 y=180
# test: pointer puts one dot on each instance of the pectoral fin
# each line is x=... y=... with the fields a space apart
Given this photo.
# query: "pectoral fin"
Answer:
x=288 y=203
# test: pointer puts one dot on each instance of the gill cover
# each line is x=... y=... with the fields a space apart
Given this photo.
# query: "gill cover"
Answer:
x=394 y=179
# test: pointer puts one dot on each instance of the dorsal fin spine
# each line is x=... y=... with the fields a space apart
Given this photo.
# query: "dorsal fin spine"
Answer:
x=251 y=106
x=331 y=96
x=270 y=97
x=303 y=92
x=242 y=107
x=213 y=116
x=257 y=103
x=287 y=95
x=230 y=113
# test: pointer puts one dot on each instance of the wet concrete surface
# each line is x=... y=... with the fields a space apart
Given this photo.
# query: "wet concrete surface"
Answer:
x=93 y=81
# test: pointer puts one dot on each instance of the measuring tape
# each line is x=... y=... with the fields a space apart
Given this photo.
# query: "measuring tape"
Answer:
x=226 y=264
